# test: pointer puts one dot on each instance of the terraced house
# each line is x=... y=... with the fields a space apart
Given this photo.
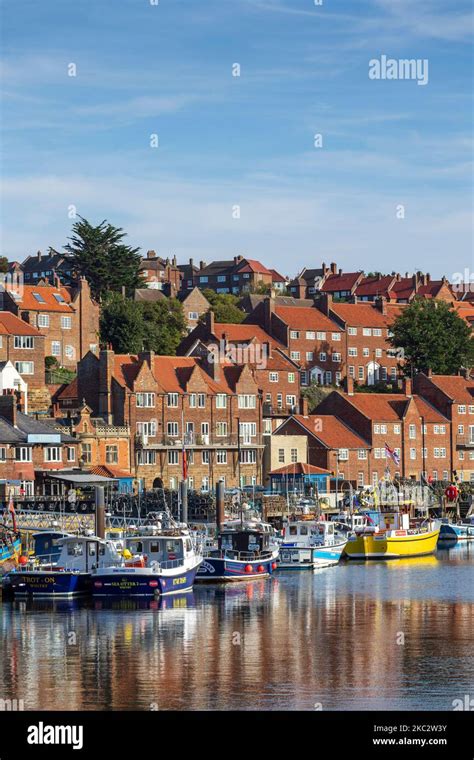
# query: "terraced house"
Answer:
x=24 y=346
x=185 y=414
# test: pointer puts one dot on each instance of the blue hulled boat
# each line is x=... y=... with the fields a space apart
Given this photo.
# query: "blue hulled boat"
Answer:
x=244 y=552
x=309 y=544
x=461 y=531
x=10 y=546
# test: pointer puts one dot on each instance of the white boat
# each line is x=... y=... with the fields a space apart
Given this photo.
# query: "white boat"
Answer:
x=309 y=544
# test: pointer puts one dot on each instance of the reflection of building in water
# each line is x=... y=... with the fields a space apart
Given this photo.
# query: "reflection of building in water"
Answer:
x=286 y=643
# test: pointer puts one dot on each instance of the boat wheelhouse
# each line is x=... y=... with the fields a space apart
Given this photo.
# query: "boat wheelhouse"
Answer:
x=244 y=552
x=309 y=544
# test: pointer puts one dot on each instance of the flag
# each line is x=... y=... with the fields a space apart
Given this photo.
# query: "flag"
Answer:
x=185 y=462
x=11 y=509
x=392 y=454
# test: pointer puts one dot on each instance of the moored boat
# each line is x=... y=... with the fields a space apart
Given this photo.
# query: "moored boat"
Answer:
x=460 y=531
x=10 y=546
x=309 y=544
x=244 y=552
x=398 y=539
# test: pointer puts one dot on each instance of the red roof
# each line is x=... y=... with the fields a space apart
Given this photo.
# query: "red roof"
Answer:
x=330 y=431
x=276 y=276
x=363 y=314
x=244 y=333
x=306 y=318
x=12 y=325
x=49 y=299
x=300 y=468
x=374 y=286
x=343 y=281
x=110 y=472
x=455 y=387
x=251 y=265
x=69 y=391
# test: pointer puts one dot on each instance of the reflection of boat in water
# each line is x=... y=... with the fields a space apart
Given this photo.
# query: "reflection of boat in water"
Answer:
x=308 y=544
x=179 y=601
x=398 y=538
x=460 y=531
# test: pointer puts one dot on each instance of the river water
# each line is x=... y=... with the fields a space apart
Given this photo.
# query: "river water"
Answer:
x=359 y=636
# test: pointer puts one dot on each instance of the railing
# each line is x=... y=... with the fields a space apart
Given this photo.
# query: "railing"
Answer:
x=465 y=441
x=117 y=431
x=279 y=411
x=204 y=442
x=243 y=556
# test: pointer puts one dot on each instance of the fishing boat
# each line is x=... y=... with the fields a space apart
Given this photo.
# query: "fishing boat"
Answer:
x=244 y=552
x=309 y=544
x=394 y=537
x=68 y=574
x=460 y=531
x=163 y=560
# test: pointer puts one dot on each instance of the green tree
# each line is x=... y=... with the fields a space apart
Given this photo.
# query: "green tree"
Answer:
x=121 y=324
x=3 y=264
x=100 y=255
x=316 y=393
x=165 y=325
x=224 y=306
x=430 y=335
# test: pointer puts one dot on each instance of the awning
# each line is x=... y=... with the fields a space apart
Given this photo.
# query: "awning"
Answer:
x=82 y=478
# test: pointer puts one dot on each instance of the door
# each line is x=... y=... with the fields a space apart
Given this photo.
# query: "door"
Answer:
x=373 y=373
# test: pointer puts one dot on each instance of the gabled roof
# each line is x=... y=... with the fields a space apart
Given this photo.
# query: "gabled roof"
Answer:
x=455 y=387
x=48 y=261
x=342 y=281
x=251 y=265
x=374 y=286
x=110 y=472
x=380 y=406
x=361 y=314
x=149 y=294
x=12 y=325
x=300 y=468
x=216 y=267
x=244 y=333
x=277 y=277
x=328 y=429
x=49 y=299
x=306 y=318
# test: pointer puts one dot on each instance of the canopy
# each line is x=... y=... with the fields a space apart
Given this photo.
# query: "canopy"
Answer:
x=82 y=478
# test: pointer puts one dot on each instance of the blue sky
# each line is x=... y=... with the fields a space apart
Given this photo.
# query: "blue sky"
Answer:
x=142 y=69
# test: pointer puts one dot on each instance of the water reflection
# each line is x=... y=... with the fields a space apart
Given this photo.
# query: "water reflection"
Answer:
x=369 y=635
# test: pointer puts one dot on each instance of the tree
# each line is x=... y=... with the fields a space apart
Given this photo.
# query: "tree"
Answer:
x=99 y=254
x=121 y=324
x=431 y=335
x=165 y=326
x=224 y=306
x=316 y=393
x=131 y=326
x=3 y=264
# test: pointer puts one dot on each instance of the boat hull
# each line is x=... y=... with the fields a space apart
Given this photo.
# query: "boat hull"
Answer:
x=309 y=558
x=380 y=546
x=227 y=570
x=11 y=552
x=49 y=584
x=456 y=533
x=130 y=582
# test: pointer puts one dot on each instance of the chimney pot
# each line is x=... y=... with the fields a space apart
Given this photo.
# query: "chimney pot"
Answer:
x=334 y=268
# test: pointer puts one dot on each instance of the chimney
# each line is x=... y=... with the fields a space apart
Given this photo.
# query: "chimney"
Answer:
x=151 y=255
x=304 y=406
x=175 y=261
x=333 y=268
x=268 y=311
x=191 y=263
x=381 y=304
x=349 y=385
x=148 y=357
x=325 y=303
x=8 y=407
x=415 y=281
x=106 y=368
x=267 y=347
x=236 y=260
x=201 y=265
x=379 y=275
x=407 y=388
x=209 y=321
x=398 y=277
x=38 y=255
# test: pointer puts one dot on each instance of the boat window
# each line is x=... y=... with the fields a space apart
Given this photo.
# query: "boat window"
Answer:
x=154 y=547
x=92 y=550
x=102 y=549
x=189 y=545
x=75 y=550
x=293 y=530
x=304 y=530
x=136 y=547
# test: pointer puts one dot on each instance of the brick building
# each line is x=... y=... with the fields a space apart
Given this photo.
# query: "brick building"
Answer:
x=194 y=305
x=24 y=346
x=66 y=316
x=48 y=266
x=235 y=276
x=171 y=403
x=161 y=274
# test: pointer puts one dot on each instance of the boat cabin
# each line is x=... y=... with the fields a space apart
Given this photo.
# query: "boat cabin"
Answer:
x=47 y=545
x=244 y=542
x=309 y=533
x=85 y=553
x=160 y=548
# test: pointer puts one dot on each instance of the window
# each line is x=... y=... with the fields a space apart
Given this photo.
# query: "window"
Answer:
x=336 y=336
x=352 y=330
x=38 y=297
x=59 y=298
x=43 y=320
x=281 y=456
x=412 y=431
x=461 y=409
x=352 y=351
x=309 y=356
x=23 y=454
x=192 y=400
x=321 y=336
x=221 y=457
x=310 y=335
x=362 y=454
x=365 y=351
x=201 y=400
x=291 y=377
x=396 y=429
x=205 y=483
x=25 y=368
x=172 y=400
x=221 y=401
x=221 y=429
x=360 y=479
x=52 y=454
x=55 y=348
x=294 y=455
x=248 y=456
x=304 y=378
x=221 y=278
x=145 y=400
x=147 y=428
x=295 y=355
x=328 y=378
x=173 y=457
x=193 y=315
x=471 y=408
x=343 y=455
x=378 y=353
x=111 y=454
x=351 y=371
x=273 y=377
x=70 y=352
x=3 y=454
x=205 y=457
x=322 y=356
x=361 y=373
x=66 y=323
x=24 y=341
x=412 y=453
x=247 y=401
x=148 y=456
x=294 y=334
x=383 y=429
x=71 y=454
x=377 y=332
x=445 y=475
x=86 y=453
x=172 y=429
x=377 y=429
x=366 y=331
x=378 y=453
x=460 y=429
x=267 y=427
x=203 y=279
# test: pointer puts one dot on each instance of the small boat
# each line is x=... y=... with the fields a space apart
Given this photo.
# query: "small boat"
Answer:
x=158 y=562
x=308 y=544
x=69 y=574
x=461 y=531
x=397 y=539
x=10 y=546
x=244 y=552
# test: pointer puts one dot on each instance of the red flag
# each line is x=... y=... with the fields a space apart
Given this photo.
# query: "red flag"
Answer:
x=11 y=509
x=185 y=464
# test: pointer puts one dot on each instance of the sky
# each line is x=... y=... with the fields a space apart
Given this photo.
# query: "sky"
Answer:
x=236 y=171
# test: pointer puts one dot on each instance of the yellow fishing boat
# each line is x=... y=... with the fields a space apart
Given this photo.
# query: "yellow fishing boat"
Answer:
x=397 y=539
